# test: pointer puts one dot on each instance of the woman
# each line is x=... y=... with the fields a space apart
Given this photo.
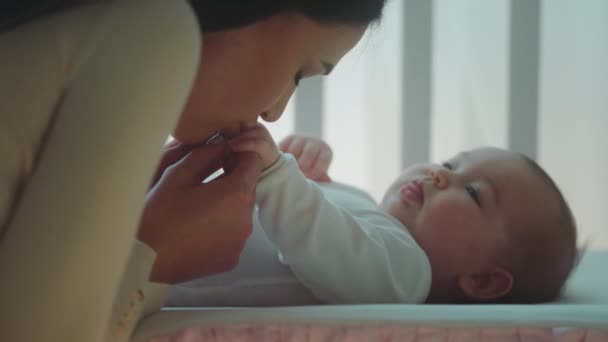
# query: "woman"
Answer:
x=254 y=53
x=252 y=65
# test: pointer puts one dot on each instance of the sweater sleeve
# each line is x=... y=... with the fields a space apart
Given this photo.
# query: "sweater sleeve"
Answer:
x=343 y=255
x=119 y=73
x=137 y=297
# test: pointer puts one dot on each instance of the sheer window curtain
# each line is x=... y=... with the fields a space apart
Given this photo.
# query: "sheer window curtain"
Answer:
x=361 y=106
x=573 y=117
x=438 y=77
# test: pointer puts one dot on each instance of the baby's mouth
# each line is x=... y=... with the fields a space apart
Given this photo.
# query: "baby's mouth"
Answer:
x=412 y=192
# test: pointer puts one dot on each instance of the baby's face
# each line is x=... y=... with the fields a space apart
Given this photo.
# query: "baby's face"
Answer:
x=460 y=212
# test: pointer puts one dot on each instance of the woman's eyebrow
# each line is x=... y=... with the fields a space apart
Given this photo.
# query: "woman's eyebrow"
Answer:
x=328 y=67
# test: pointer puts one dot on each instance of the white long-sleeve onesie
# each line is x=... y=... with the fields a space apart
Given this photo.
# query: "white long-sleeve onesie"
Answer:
x=338 y=242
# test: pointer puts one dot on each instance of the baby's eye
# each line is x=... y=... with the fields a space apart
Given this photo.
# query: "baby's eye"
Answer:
x=474 y=193
x=448 y=165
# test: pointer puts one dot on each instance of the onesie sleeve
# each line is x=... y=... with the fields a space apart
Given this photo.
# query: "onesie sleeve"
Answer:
x=343 y=255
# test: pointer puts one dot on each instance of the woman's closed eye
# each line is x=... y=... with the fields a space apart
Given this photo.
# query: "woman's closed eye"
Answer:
x=297 y=78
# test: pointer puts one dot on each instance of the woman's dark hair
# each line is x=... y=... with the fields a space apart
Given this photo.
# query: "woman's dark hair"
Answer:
x=16 y=12
x=219 y=15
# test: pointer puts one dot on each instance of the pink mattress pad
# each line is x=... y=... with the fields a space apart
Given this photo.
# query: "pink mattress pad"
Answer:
x=352 y=333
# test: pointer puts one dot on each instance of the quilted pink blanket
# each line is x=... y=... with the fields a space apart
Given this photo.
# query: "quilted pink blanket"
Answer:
x=310 y=333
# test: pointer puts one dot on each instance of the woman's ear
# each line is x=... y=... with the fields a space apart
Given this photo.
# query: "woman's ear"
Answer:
x=490 y=284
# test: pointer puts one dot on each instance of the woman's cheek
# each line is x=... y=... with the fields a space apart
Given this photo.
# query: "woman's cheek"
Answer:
x=264 y=87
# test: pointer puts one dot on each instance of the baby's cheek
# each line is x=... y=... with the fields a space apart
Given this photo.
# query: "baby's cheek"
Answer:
x=451 y=222
x=448 y=239
x=444 y=215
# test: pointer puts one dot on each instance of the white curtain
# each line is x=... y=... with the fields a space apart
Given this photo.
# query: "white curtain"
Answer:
x=470 y=66
x=573 y=126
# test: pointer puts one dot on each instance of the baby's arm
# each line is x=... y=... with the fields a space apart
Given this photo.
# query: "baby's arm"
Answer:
x=354 y=255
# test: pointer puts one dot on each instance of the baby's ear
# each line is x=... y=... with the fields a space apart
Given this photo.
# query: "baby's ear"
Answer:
x=491 y=284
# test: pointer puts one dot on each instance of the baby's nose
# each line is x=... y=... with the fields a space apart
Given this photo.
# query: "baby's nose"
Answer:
x=440 y=178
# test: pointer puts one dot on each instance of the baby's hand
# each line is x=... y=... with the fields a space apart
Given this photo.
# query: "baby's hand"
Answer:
x=257 y=140
x=313 y=155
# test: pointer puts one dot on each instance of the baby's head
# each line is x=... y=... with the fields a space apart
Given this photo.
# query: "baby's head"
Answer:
x=494 y=226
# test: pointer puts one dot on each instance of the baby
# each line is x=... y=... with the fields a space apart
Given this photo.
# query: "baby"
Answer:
x=488 y=225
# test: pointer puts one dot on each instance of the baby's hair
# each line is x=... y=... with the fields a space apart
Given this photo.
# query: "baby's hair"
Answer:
x=543 y=253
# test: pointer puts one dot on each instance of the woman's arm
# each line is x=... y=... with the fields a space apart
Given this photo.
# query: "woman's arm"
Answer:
x=69 y=241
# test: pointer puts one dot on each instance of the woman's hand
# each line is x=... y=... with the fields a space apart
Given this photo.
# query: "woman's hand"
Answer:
x=257 y=140
x=198 y=229
x=313 y=155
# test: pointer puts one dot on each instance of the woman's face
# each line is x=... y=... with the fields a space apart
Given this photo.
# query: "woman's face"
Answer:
x=252 y=72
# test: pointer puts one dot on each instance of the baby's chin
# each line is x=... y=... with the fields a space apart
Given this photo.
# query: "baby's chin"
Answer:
x=393 y=205
x=408 y=226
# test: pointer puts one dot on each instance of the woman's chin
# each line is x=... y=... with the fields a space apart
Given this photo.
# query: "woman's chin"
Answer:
x=190 y=137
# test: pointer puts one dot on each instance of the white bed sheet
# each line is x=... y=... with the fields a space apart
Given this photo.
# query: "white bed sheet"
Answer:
x=584 y=305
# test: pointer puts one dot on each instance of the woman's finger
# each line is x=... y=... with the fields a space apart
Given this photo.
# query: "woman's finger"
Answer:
x=199 y=164
x=174 y=151
x=245 y=174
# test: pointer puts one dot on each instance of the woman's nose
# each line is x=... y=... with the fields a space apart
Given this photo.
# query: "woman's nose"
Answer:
x=271 y=115
x=276 y=110
x=440 y=177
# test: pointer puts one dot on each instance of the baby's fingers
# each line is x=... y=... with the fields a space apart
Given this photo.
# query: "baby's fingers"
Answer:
x=258 y=131
x=310 y=153
x=248 y=144
x=285 y=144
x=295 y=147
x=323 y=161
x=324 y=178
x=319 y=168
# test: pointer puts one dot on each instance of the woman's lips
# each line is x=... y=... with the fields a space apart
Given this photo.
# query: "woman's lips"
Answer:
x=412 y=192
